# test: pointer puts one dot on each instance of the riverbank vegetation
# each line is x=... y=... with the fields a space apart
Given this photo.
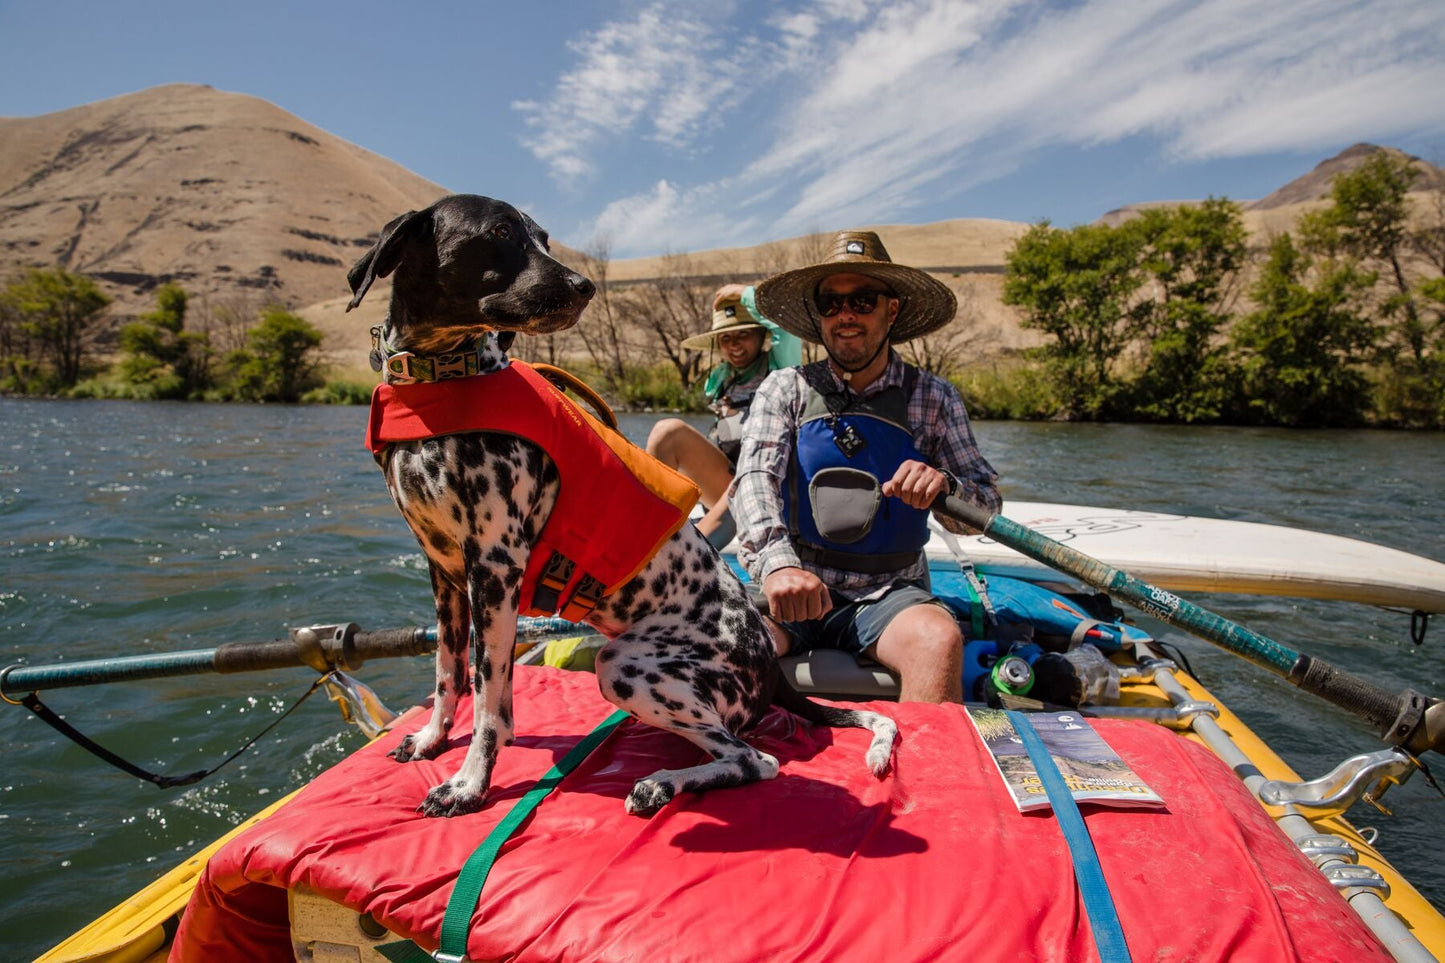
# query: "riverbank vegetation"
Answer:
x=1170 y=317
x=52 y=340
x=1175 y=315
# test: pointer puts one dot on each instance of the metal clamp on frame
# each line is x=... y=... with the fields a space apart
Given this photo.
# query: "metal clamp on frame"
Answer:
x=1323 y=846
x=1345 y=878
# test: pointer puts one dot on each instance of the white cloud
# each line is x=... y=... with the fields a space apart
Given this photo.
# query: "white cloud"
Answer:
x=666 y=74
x=875 y=108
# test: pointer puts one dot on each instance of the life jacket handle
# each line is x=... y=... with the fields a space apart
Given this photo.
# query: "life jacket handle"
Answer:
x=565 y=379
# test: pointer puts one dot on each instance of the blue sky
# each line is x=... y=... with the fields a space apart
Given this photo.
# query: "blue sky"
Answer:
x=656 y=125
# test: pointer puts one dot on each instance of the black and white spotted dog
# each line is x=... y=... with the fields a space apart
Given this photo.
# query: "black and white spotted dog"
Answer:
x=688 y=652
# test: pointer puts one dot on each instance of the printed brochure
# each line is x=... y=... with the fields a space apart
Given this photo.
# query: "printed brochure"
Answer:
x=1092 y=770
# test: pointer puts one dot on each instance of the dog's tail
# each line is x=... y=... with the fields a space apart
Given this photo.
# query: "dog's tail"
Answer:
x=885 y=731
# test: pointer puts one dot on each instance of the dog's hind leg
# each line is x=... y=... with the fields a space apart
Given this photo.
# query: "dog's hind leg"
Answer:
x=735 y=763
x=635 y=675
x=453 y=629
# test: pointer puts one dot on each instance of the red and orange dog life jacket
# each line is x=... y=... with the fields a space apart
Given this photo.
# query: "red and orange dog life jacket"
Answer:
x=616 y=504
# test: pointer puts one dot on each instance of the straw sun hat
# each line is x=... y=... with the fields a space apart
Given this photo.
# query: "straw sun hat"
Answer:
x=728 y=314
x=926 y=305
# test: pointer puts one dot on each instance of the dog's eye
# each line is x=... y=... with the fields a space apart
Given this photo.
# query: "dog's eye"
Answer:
x=503 y=231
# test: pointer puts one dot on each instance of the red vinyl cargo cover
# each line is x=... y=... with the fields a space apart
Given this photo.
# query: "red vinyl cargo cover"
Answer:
x=824 y=863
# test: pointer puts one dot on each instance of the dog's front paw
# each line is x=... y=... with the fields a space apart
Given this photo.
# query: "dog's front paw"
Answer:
x=649 y=795
x=415 y=746
x=451 y=800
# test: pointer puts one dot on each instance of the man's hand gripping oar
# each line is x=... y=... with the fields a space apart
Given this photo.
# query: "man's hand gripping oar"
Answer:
x=1411 y=720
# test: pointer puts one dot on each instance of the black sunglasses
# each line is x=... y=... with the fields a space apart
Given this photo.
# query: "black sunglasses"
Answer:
x=830 y=303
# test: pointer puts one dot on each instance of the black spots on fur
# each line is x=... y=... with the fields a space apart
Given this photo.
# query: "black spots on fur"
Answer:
x=484 y=669
x=488 y=590
x=473 y=455
x=624 y=690
x=504 y=474
x=488 y=738
x=632 y=671
x=700 y=651
x=659 y=584
x=625 y=600
x=606 y=655
x=653 y=678
x=671 y=705
x=704 y=598
x=536 y=464
x=505 y=714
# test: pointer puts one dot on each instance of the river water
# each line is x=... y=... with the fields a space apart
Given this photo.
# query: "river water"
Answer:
x=135 y=528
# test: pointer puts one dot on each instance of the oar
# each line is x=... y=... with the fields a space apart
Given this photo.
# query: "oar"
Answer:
x=343 y=646
x=1408 y=719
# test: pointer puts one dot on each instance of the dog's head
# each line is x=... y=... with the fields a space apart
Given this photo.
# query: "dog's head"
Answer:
x=466 y=265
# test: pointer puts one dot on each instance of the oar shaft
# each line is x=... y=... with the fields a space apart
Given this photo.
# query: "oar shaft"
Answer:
x=1151 y=600
x=21 y=679
x=341 y=646
x=344 y=650
x=1399 y=717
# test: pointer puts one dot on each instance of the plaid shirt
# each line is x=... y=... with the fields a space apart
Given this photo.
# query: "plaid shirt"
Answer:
x=941 y=433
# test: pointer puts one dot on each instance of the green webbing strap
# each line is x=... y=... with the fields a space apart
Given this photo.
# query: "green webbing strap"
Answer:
x=975 y=605
x=468 y=890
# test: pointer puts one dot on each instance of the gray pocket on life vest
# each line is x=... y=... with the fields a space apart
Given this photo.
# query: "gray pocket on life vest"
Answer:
x=845 y=501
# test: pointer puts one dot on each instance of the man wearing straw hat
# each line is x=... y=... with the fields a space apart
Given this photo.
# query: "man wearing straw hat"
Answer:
x=841 y=460
x=750 y=346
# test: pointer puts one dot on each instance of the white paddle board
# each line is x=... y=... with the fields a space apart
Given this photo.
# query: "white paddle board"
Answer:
x=1191 y=554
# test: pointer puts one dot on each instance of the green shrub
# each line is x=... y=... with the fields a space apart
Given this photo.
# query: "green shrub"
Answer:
x=339 y=393
x=1009 y=388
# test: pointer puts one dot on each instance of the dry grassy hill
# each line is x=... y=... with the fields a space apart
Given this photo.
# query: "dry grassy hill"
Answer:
x=226 y=194
x=243 y=203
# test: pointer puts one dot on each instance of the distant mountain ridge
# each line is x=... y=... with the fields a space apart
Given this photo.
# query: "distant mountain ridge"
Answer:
x=1307 y=188
x=1316 y=184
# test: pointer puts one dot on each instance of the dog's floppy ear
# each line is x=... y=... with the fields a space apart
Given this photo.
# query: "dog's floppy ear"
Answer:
x=384 y=255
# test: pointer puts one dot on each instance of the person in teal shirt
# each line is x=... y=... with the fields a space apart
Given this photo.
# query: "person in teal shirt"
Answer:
x=750 y=346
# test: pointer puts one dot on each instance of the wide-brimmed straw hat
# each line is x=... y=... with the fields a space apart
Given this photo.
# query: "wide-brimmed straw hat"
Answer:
x=927 y=303
x=729 y=313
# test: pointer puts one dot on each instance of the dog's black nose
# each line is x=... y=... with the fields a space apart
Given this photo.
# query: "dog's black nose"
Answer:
x=583 y=286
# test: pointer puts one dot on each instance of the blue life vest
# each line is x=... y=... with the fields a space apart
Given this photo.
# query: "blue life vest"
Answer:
x=840 y=430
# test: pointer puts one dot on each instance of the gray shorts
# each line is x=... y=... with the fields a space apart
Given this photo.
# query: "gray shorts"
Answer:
x=855 y=627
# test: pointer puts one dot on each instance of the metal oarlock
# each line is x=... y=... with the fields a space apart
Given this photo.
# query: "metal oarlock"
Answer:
x=1363 y=777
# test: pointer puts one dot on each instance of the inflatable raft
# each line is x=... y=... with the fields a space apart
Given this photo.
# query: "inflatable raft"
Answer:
x=1241 y=860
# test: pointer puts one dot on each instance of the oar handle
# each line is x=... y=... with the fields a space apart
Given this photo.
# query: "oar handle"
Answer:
x=1407 y=719
x=342 y=647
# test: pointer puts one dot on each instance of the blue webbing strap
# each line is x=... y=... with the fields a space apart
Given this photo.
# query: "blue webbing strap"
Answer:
x=468 y=889
x=1098 y=903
